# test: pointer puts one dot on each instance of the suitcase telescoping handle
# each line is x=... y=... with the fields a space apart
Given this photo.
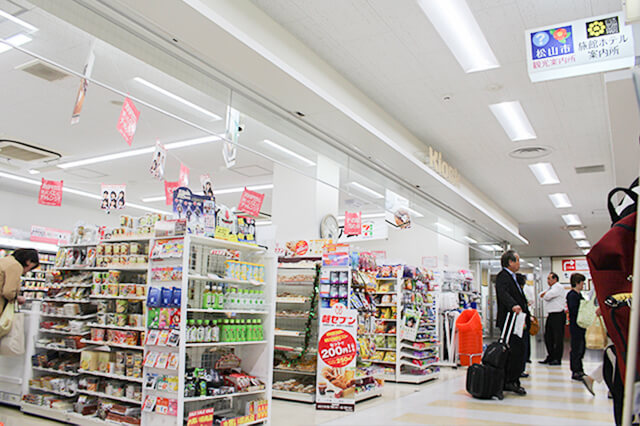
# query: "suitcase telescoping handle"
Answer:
x=508 y=324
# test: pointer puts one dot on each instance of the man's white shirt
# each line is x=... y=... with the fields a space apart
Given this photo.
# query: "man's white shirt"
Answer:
x=554 y=299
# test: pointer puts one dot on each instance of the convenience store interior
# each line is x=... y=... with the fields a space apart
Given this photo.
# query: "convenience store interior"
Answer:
x=339 y=103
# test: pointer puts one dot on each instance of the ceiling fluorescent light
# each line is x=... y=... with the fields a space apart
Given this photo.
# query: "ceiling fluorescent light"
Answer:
x=513 y=120
x=85 y=194
x=471 y=240
x=34 y=172
x=289 y=152
x=443 y=228
x=263 y=222
x=578 y=235
x=367 y=216
x=460 y=31
x=545 y=173
x=497 y=247
x=18 y=21
x=583 y=243
x=415 y=212
x=571 y=219
x=16 y=40
x=486 y=247
x=560 y=200
x=140 y=151
x=154 y=199
x=177 y=98
x=241 y=188
x=366 y=190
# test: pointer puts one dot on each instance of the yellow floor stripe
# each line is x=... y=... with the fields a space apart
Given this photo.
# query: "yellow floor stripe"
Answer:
x=536 y=386
x=588 y=399
x=429 y=419
x=498 y=407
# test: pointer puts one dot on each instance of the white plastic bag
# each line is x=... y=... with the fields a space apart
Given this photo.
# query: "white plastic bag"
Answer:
x=13 y=343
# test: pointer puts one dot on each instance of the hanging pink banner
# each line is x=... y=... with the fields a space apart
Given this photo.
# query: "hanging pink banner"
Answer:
x=251 y=202
x=169 y=187
x=128 y=121
x=352 y=223
x=50 y=193
x=183 y=179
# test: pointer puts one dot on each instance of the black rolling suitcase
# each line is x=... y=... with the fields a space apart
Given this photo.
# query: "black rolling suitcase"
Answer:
x=486 y=380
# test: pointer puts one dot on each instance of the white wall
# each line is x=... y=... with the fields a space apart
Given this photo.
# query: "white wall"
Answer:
x=410 y=245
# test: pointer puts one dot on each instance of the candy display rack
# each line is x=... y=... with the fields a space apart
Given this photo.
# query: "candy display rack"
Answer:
x=219 y=348
x=296 y=329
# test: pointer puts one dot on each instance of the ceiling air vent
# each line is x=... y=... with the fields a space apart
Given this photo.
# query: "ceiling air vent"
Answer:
x=22 y=152
x=530 y=152
x=42 y=70
x=590 y=169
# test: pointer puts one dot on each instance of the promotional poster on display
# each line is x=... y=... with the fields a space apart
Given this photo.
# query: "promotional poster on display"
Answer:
x=198 y=210
x=409 y=325
x=335 y=383
x=372 y=229
x=50 y=193
x=246 y=230
x=226 y=224
x=207 y=186
x=158 y=161
x=113 y=197
x=128 y=121
x=397 y=210
x=302 y=248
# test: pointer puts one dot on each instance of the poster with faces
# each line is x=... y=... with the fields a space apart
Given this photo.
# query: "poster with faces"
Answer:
x=113 y=197
x=207 y=186
x=158 y=161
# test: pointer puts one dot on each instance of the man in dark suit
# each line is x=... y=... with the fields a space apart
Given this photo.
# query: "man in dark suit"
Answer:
x=511 y=298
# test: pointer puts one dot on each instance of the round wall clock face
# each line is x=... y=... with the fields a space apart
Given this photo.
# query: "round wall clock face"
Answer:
x=329 y=227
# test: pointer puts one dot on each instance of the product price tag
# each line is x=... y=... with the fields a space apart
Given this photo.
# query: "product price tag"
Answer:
x=251 y=202
x=50 y=193
x=128 y=121
x=201 y=417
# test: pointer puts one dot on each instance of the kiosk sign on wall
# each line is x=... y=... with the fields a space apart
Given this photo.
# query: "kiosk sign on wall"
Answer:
x=337 y=350
x=586 y=46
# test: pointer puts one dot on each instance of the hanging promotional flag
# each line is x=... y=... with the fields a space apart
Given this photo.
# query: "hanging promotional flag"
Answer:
x=50 y=193
x=250 y=202
x=207 y=186
x=169 y=187
x=183 y=178
x=113 y=197
x=397 y=210
x=352 y=223
x=82 y=90
x=229 y=149
x=157 y=161
x=128 y=121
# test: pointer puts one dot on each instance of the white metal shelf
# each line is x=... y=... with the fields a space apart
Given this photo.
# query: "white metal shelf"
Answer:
x=111 y=376
x=67 y=394
x=63 y=332
x=56 y=300
x=107 y=396
x=304 y=373
x=228 y=311
x=114 y=345
x=225 y=244
x=224 y=280
x=418 y=367
x=61 y=349
x=418 y=378
x=360 y=396
x=132 y=239
x=378 y=361
x=75 y=317
x=291 y=300
x=64 y=416
x=230 y=395
x=203 y=345
x=55 y=371
x=116 y=327
x=288 y=333
x=140 y=268
x=404 y=354
x=294 y=396
x=98 y=296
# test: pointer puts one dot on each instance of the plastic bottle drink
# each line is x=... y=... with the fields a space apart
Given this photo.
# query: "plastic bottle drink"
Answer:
x=241 y=331
x=260 y=330
x=190 y=328
x=232 y=331
x=207 y=331
x=205 y=297
x=251 y=300
x=199 y=333
x=215 y=331
x=224 y=331
x=219 y=304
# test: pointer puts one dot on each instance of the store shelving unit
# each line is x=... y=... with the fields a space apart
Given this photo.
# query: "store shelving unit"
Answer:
x=296 y=293
x=203 y=273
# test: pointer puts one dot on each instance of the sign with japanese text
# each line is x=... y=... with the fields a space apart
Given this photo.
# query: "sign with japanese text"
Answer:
x=251 y=202
x=585 y=46
x=201 y=417
x=198 y=210
x=183 y=178
x=337 y=351
x=128 y=121
x=352 y=223
x=430 y=262
x=50 y=193
x=169 y=188
x=372 y=229
x=573 y=265
x=43 y=234
x=158 y=161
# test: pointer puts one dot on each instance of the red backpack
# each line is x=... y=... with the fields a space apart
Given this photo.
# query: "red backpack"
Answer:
x=611 y=266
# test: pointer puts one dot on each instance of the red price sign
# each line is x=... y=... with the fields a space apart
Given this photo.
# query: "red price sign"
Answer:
x=128 y=120
x=251 y=202
x=352 y=223
x=50 y=193
x=169 y=187
x=337 y=348
x=201 y=417
x=302 y=247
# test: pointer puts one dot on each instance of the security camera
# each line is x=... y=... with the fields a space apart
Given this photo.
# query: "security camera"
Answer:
x=240 y=128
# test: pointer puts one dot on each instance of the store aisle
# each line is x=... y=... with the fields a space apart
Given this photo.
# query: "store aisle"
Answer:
x=552 y=398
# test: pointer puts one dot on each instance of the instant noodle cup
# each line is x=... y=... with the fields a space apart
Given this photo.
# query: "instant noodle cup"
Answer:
x=97 y=334
x=114 y=277
x=102 y=319
x=124 y=248
x=108 y=250
x=121 y=320
x=122 y=306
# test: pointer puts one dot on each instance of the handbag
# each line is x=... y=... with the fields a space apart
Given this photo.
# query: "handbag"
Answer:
x=596 y=335
x=6 y=319
x=12 y=344
x=586 y=313
x=535 y=326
